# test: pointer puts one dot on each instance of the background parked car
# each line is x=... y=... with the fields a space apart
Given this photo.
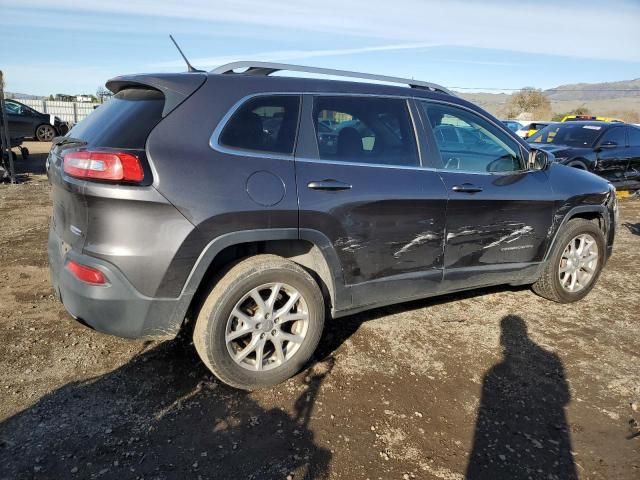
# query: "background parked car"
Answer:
x=611 y=150
x=512 y=125
x=24 y=121
x=530 y=128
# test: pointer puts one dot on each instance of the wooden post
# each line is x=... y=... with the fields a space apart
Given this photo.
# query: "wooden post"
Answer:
x=5 y=152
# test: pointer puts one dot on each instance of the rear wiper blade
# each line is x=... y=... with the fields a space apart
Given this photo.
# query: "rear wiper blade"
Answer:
x=66 y=140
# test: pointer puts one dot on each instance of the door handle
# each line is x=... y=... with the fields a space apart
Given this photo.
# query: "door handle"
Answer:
x=328 y=185
x=466 y=188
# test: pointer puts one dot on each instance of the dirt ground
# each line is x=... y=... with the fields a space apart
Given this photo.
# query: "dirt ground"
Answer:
x=496 y=383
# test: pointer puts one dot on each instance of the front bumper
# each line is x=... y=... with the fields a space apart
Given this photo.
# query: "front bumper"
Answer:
x=117 y=308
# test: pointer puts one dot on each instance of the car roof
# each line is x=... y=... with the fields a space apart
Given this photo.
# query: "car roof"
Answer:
x=595 y=123
x=256 y=84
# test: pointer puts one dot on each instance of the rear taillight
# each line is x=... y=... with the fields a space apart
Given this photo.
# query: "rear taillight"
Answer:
x=113 y=166
x=86 y=274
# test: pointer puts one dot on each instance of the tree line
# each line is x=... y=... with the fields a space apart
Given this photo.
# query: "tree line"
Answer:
x=534 y=103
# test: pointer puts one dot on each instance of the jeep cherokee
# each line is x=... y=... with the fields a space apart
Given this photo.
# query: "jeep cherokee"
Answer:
x=252 y=203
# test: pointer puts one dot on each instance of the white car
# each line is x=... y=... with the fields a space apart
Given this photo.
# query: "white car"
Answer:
x=529 y=128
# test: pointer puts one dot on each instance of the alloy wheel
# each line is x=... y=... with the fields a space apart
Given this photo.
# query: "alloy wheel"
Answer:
x=45 y=133
x=267 y=326
x=578 y=263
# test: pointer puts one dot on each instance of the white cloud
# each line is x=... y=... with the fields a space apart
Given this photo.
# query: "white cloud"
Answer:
x=281 y=55
x=575 y=28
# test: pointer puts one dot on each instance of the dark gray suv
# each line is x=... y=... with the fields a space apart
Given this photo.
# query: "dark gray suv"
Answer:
x=252 y=204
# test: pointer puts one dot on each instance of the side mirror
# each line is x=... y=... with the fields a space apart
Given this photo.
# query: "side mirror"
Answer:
x=539 y=159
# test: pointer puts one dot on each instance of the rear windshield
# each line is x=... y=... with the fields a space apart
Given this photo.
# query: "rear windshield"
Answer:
x=125 y=121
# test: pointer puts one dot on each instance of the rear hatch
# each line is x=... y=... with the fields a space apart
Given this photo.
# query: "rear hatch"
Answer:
x=122 y=124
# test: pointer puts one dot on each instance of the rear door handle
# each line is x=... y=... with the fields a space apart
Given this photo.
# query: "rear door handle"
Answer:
x=466 y=188
x=329 y=185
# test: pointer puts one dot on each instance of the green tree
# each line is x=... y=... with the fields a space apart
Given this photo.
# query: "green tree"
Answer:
x=582 y=110
x=528 y=100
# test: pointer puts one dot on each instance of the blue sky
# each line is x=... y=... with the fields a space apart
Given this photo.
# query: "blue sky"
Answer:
x=74 y=46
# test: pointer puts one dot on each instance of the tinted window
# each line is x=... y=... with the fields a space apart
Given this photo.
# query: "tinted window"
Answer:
x=125 y=121
x=365 y=130
x=634 y=136
x=571 y=134
x=14 y=108
x=513 y=126
x=470 y=143
x=266 y=124
x=615 y=136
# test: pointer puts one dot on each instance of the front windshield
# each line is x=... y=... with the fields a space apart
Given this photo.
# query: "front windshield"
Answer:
x=570 y=134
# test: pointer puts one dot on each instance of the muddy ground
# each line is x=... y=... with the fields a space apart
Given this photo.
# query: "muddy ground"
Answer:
x=496 y=383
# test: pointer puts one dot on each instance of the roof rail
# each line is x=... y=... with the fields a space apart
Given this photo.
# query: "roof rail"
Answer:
x=267 y=68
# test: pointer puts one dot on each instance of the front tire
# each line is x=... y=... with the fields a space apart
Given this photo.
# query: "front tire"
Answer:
x=261 y=322
x=574 y=264
x=45 y=133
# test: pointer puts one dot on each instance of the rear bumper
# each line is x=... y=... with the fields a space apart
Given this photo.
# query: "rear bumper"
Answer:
x=117 y=308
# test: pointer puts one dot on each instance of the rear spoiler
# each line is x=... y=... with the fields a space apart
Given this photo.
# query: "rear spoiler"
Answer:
x=176 y=87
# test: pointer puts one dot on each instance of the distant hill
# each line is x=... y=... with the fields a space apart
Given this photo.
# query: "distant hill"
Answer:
x=608 y=98
x=595 y=91
x=22 y=96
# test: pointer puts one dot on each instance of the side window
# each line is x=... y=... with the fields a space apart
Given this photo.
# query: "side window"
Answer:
x=14 y=108
x=634 y=137
x=264 y=124
x=615 y=136
x=365 y=130
x=468 y=142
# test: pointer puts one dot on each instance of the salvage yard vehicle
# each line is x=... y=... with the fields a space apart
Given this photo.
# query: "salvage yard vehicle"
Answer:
x=512 y=125
x=611 y=150
x=529 y=128
x=217 y=198
x=24 y=121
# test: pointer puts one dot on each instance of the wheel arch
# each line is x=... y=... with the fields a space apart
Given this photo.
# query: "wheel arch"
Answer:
x=594 y=213
x=581 y=163
x=308 y=248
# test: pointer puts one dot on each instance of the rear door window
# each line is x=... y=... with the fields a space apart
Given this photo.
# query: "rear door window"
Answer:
x=124 y=121
x=365 y=130
x=264 y=124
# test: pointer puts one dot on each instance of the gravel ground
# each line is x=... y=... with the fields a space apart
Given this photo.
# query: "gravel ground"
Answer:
x=496 y=383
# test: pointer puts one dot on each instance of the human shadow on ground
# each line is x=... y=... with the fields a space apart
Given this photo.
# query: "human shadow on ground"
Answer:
x=521 y=430
x=163 y=416
x=634 y=228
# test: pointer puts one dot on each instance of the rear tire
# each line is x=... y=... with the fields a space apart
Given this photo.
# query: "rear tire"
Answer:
x=566 y=267
x=249 y=343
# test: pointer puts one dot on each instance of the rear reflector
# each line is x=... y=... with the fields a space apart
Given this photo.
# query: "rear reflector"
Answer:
x=115 y=166
x=86 y=274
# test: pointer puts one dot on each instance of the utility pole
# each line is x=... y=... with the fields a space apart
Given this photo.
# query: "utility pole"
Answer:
x=6 y=156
